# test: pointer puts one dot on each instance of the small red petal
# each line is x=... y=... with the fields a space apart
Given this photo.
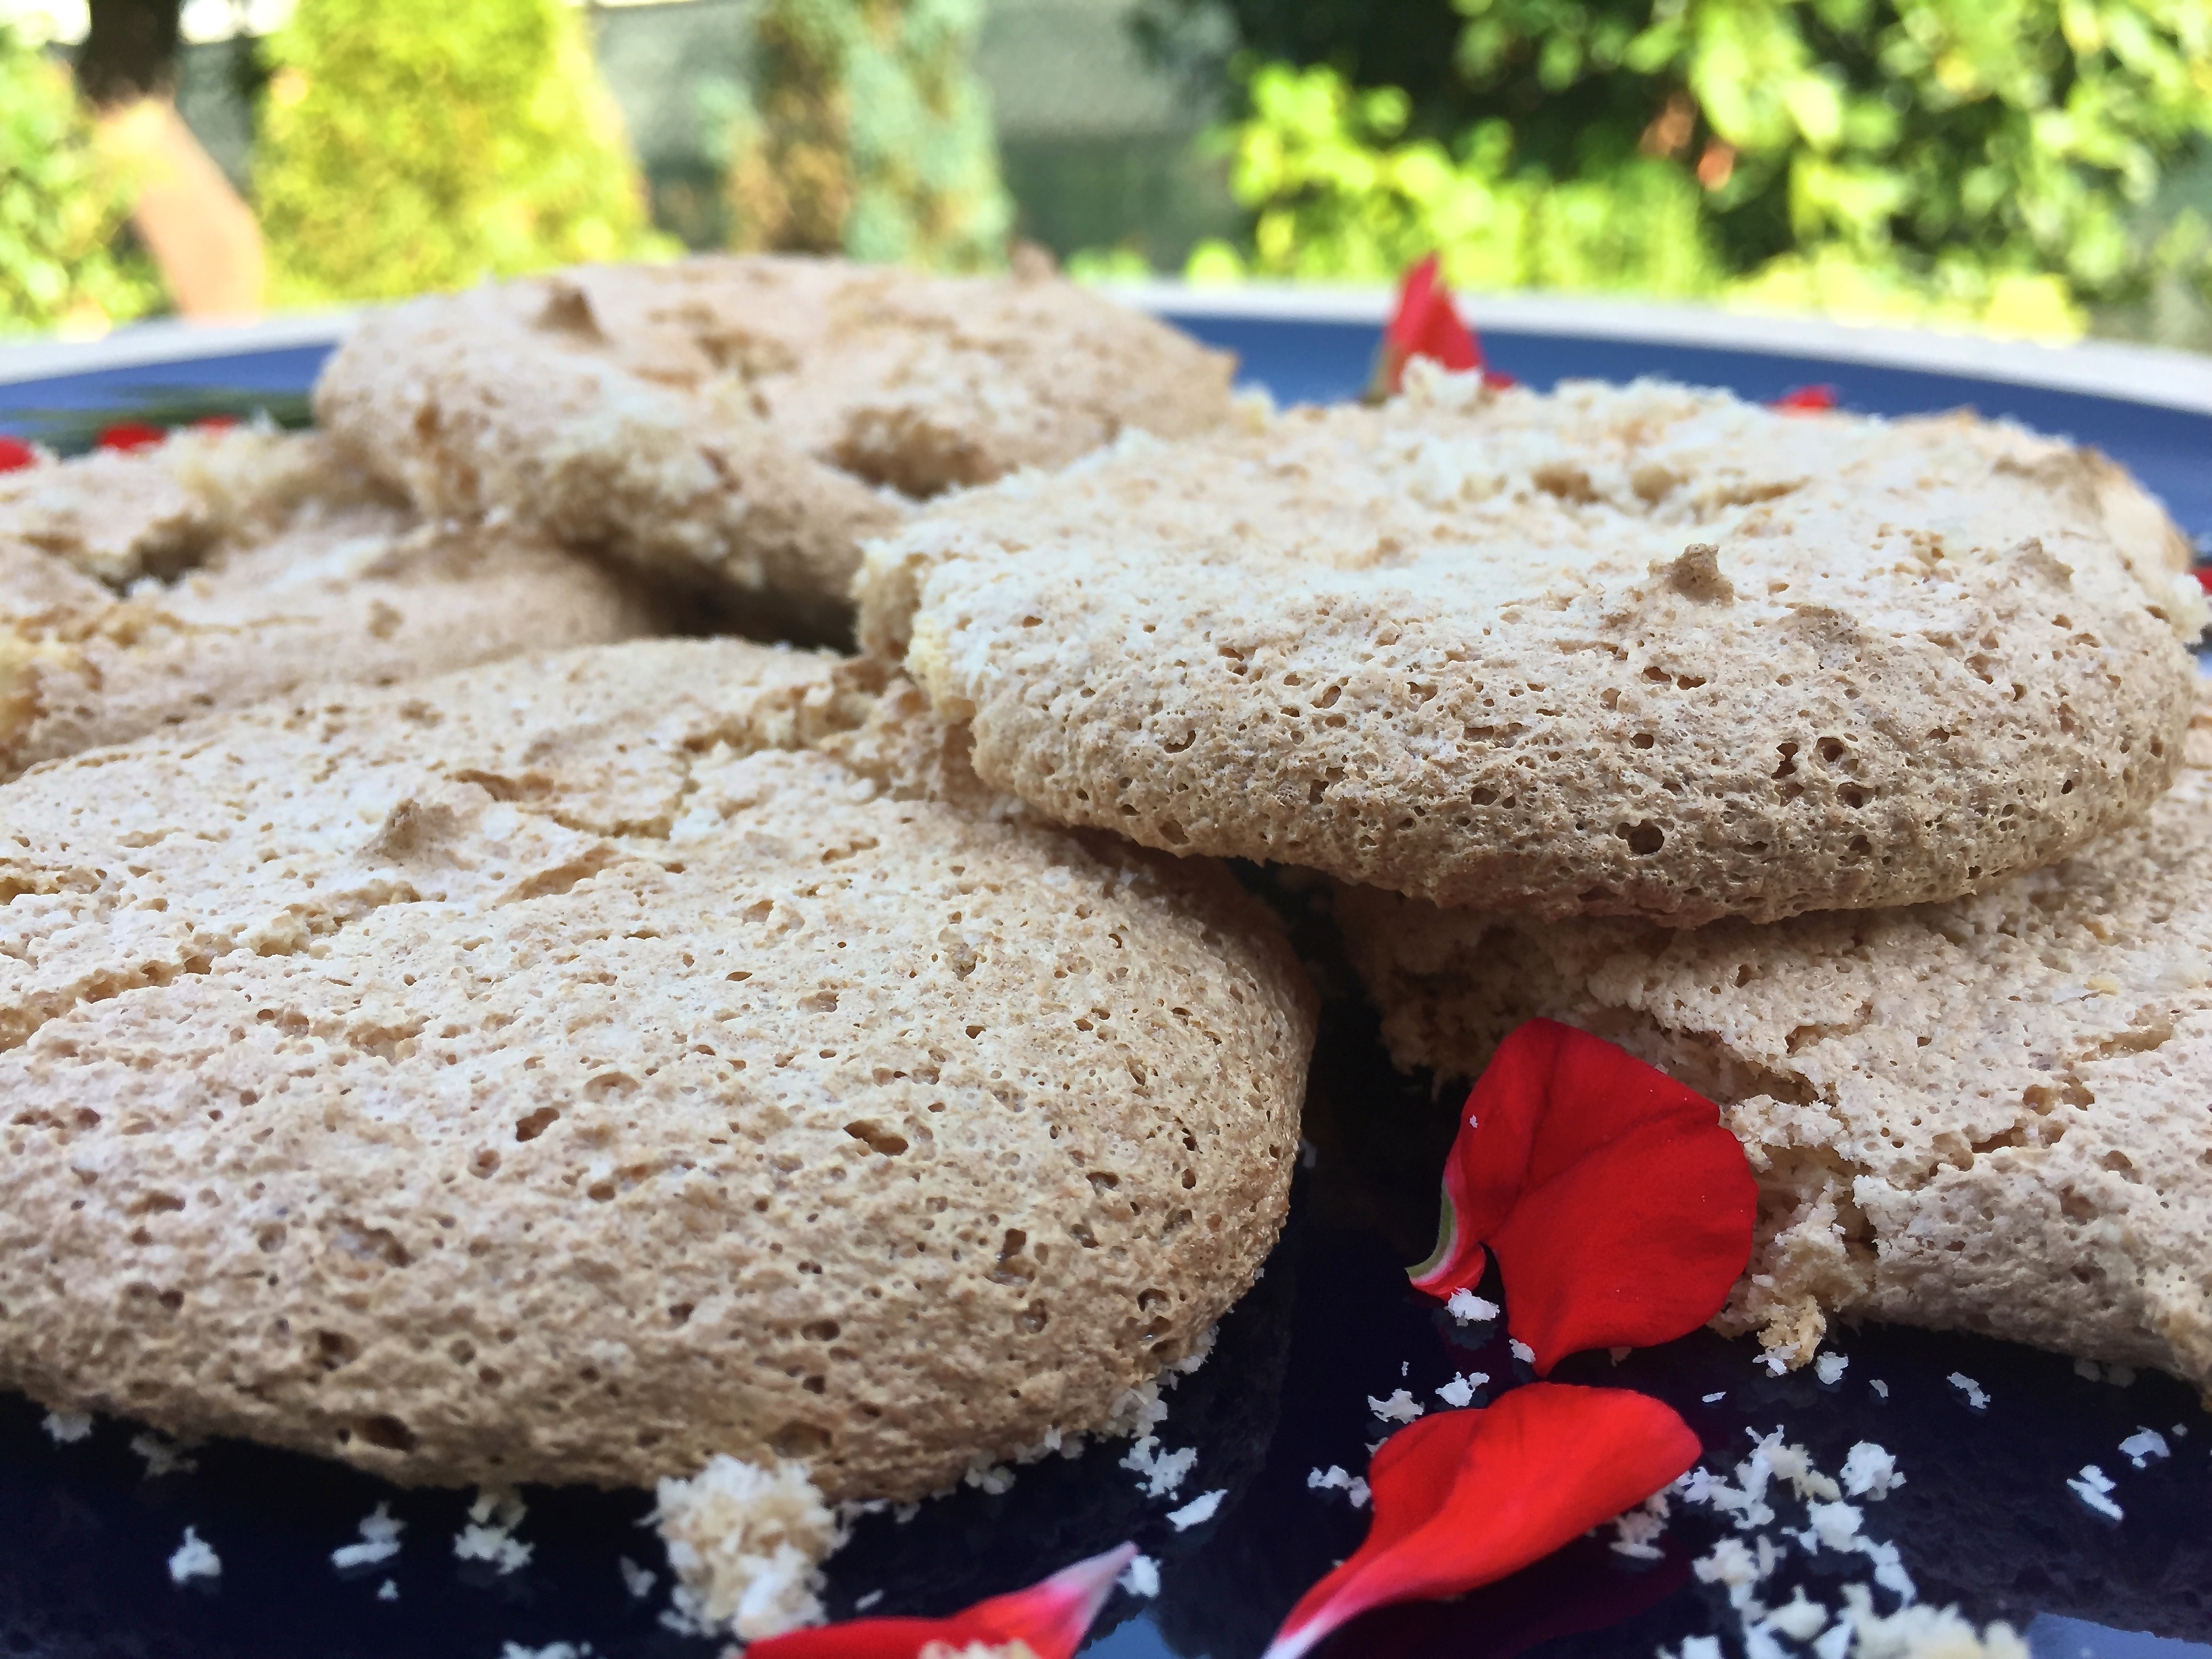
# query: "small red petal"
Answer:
x=1805 y=399
x=15 y=455
x=131 y=434
x=2203 y=574
x=216 y=423
x=1049 y=1618
x=1463 y=1498
x=1620 y=1208
x=1425 y=324
x=1497 y=382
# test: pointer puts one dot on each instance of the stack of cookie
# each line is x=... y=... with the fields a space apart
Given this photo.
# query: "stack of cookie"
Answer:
x=1841 y=767
x=586 y=1061
x=579 y=1065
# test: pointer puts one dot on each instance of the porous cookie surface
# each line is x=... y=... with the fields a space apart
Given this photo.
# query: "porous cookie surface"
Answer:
x=1633 y=651
x=573 y=1068
x=138 y=591
x=754 y=418
x=1986 y=1115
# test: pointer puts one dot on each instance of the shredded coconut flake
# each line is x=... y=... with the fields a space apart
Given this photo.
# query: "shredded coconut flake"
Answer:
x=864 y=1603
x=195 y=1558
x=489 y=1535
x=2143 y=1445
x=638 y=1581
x=1923 y=1632
x=1141 y=1577
x=1460 y=1391
x=1400 y=1408
x=1521 y=1351
x=1469 y=1309
x=1715 y=1399
x=2093 y=1486
x=551 y=1650
x=1829 y=1368
x=1880 y=1389
x=66 y=1428
x=1637 y=1532
x=163 y=1455
x=1199 y=1510
x=748 y=1545
x=1869 y=1472
x=1977 y=1399
x=388 y=1591
x=379 y=1541
x=1164 y=1471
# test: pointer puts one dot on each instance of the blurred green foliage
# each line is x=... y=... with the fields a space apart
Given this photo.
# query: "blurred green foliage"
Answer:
x=62 y=202
x=868 y=134
x=411 y=145
x=1987 y=161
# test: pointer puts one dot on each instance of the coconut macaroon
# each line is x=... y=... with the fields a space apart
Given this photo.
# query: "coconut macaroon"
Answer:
x=1985 y=1115
x=137 y=591
x=749 y=421
x=1640 y=651
x=573 y=1068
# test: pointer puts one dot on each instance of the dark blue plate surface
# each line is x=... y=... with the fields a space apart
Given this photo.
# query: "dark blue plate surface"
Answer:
x=1985 y=1518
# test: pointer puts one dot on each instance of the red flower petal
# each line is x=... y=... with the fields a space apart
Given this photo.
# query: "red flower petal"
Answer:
x=15 y=455
x=131 y=434
x=1423 y=325
x=1805 y=399
x=1463 y=1498
x=2203 y=574
x=216 y=422
x=1620 y=1208
x=1049 y=1618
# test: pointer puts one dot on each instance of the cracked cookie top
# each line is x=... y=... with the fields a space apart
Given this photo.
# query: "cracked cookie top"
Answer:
x=1642 y=650
x=569 y=1069
x=1985 y=1115
x=749 y=421
x=221 y=568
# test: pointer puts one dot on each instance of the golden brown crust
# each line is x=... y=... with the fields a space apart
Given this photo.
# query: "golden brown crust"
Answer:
x=1983 y=1115
x=1617 y=651
x=756 y=418
x=572 y=1068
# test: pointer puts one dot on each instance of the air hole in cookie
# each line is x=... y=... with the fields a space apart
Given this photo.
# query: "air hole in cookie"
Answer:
x=819 y=1002
x=1035 y=1317
x=534 y=1124
x=388 y=1432
x=1860 y=846
x=1789 y=753
x=2119 y=1164
x=1830 y=750
x=878 y=1139
x=600 y=1192
x=334 y=1349
x=485 y=1163
x=815 y=1384
x=820 y=1330
x=270 y=1237
x=1853 y=797
x=1642 y=740
x=799 y=1440
x=1645 y=838
x=1104 y=1180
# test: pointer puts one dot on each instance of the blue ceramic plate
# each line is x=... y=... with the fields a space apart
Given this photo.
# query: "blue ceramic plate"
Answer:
x=1985 y=1519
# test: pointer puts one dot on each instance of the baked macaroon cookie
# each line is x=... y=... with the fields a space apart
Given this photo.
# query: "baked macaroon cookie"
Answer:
x=572 y=1068
x=221 y=567
x=1638 y=650
x=749 y=421
x=1985 y=1115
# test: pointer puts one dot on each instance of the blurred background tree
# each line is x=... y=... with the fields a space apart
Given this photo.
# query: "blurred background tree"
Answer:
x=62 y=203
x=1987 y=160
x=868 y=134
x=410 y=145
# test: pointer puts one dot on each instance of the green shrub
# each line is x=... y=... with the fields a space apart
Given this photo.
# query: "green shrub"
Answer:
x=410 y=145
x=1986 y=160
x=61 y=205
x=869 y=135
